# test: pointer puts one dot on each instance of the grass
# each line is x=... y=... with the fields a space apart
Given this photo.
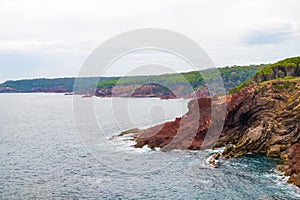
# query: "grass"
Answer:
x=284 y=85
x=288 y=78
x=260 y=89
x=289 y=62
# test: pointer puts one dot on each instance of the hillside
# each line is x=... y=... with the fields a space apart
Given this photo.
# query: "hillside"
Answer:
x=183 y=84
x=232 y=76
x=59 y=85
x=284 y=69
x=262 y=118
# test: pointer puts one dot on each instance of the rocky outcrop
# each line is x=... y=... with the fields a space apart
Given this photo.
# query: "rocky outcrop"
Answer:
x=151 y=90
x=147 y=90
x=186 y=132
x=288 y=67
x=266 y=121
x=291 y=167
x=278 y=72
x=263 y=118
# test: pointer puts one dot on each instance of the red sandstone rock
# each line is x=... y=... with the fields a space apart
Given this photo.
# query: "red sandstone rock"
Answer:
x=150 y=90
x=184 y=132
x=292 y=166
x=263 y=118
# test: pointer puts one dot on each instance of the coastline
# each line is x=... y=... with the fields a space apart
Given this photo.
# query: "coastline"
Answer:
x=240 y=135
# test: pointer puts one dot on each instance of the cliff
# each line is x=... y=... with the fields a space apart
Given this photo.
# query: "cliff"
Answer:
x=183 y=84
x=147 y=90
x=262 y=118
x=287 y=67
x=186 y=132
x=284 y=69
x=150 y=90
x=178 y=85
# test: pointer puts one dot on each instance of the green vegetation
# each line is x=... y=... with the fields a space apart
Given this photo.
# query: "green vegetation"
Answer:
x=232 y=76
x=189 y=81
x=292 y=62
x=260 y=90
x=267 y=70
x=43 y=84
x=234 y=79
x=107 y=84
x=284 y=85
x=286 y=78
x=27 y=85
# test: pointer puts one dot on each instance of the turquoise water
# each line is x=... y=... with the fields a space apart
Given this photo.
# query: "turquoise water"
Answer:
x=43 y=157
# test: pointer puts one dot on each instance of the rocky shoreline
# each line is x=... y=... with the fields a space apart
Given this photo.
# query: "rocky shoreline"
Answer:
x=263 y=118
x=150 y=91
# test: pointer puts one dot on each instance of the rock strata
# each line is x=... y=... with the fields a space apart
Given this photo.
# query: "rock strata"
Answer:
x=291 y=167
x=262 y=118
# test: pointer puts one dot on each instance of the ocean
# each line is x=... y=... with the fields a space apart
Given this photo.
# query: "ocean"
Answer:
x=48 y=153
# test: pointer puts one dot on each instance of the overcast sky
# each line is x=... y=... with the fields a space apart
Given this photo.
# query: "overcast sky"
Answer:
x=53 y=38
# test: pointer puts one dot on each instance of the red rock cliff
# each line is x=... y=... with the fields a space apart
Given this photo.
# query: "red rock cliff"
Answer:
x=263 y=118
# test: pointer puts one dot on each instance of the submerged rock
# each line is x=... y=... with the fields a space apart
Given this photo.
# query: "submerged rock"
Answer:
x=127 y=132
x=213 y=160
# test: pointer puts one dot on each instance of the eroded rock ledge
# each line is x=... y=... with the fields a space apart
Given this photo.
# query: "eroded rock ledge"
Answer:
x=263 y=118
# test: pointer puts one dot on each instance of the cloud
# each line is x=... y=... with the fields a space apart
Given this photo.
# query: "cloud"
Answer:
x=19 y=65
x=27 y=45
x=56 y=36
x=268 y=35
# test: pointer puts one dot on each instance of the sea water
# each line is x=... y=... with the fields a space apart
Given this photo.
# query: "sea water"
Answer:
x=43 y=155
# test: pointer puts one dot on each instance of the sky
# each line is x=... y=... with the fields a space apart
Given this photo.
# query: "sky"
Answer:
x=54 y=38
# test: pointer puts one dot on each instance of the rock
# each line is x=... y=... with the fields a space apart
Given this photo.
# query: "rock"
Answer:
x=278 y=71
x=184 y=132
x=297 y=180
x=265 y=122
x=130 y=131
x=149 y=90
x=274 y=151
x=292 y=165
x=213 y=160
x=227 y=151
